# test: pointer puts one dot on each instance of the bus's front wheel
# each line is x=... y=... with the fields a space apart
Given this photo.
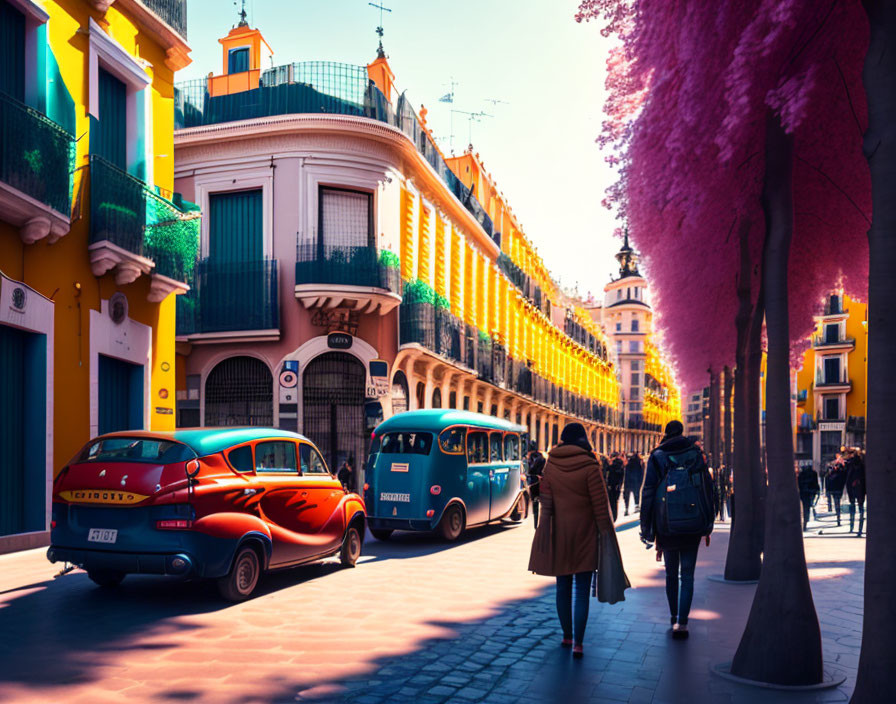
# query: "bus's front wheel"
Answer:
x=452 y=523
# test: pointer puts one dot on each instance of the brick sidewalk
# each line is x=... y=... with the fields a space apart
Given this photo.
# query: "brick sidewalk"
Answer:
x=417 y=621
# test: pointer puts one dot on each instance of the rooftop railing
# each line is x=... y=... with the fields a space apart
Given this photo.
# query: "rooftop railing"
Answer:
x=37 y=156
x=319 y=87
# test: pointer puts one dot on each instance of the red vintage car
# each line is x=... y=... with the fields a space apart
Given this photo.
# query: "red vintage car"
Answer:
x=226 y=504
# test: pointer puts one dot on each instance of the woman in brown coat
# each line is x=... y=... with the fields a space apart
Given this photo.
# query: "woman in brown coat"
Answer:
x=574 y=509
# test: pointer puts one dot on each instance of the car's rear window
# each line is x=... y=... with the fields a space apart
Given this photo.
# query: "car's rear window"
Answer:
x=123 y=449
x=406 y=443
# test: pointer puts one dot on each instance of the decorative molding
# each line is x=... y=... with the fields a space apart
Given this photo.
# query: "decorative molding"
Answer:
x=213 y=338
x=364 y=299
x=32 y=9
x=160 y=286
x=106 y=256
x=278 y=133
x=177 y=49
x=34 y=219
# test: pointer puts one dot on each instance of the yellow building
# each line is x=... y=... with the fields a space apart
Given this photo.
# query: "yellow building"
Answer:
x=93 y=243
x=831 y=387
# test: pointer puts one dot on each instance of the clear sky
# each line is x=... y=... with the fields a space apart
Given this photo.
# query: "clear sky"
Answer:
x=531 y=54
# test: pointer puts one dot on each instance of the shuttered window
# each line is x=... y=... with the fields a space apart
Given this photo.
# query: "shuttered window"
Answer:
x=235 y=226
x=12 y=430
x=12 y=51
x=110 y=138
x=346 y=218
x=120 y=395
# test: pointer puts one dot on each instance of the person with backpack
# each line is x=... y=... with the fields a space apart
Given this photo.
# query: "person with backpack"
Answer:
x=534 y=469
x=677 y=511
x=855 y=488
x=836 y=483
x=807 y=481
x=576 y=533
x=615 y=477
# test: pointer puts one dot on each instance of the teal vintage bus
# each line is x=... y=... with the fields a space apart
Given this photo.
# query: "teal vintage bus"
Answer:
x=444 y=470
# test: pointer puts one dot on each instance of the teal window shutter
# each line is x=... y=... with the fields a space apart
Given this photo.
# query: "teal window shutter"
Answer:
x=110 y=138
x=238 y=60
x=236 y=226
x=12 y=51
x=12 y=429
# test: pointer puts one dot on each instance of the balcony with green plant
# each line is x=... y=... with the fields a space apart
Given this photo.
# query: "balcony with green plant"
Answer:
x=134 y=230
x=37 y=159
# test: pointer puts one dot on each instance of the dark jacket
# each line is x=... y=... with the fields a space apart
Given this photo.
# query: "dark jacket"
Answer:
x=574 y=509
x=855 y=479
x=615 y=475
x=836 y=481
x=535 y=468
x=807 y=480
x=653 y=476
x=634 y=473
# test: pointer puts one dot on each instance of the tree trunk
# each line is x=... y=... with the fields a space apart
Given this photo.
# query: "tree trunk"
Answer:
x=726 y=408
x=743 y=561
x=755 y=447
x=781 y=643
x=878 y=658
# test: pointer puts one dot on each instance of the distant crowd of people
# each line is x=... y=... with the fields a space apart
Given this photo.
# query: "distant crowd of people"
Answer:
x=845 y=472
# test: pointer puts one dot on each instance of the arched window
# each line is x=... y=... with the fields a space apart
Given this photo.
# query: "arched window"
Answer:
x=436 y=398
x=399 y=393
x=239 y=391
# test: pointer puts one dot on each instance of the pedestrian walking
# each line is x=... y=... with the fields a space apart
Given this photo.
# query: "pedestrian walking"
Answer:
x=823 y=481
x=535 y=467
x=575 y=535
x=634 y=477
x=346 y=473
x=855 y=488
x=722 y=486
x=836 y=483
x=807 y=481
x=677 y=512
x=615 y=477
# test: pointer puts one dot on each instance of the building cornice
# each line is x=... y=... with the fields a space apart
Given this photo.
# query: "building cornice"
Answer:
x=284 y=126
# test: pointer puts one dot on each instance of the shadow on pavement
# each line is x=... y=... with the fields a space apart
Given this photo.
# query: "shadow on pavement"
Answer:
x=407 y=544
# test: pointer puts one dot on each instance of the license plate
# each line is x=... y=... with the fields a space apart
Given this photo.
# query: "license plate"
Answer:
x=102 y=535
x=401 y=498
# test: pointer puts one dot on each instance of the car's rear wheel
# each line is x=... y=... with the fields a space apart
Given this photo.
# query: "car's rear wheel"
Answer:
x=351 y=547
x=381 y=533
x=242 y=579
x=452 y=523
x=106 y=578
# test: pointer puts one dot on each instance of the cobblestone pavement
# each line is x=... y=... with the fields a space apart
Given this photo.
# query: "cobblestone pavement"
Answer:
x=417 y=621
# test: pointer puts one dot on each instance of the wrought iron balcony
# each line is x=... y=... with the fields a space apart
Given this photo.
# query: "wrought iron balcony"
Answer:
x=839 y=342
x=361 y=278
x=833 y=381
x=231 y=297
x=36 y=164
x=172 y=12
x=135 y=231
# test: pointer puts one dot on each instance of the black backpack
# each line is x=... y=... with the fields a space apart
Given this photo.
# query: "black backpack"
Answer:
x=684 y=495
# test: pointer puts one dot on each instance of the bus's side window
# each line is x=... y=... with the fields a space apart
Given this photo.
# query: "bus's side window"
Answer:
x=511 y=447
x=496 y=440
x=451 y=441
x=477 y=447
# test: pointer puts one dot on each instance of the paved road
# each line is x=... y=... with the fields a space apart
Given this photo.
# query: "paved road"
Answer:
x=417 y=621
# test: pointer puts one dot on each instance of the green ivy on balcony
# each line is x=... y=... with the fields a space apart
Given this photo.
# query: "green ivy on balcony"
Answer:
x=348 y=266
x=37 y=156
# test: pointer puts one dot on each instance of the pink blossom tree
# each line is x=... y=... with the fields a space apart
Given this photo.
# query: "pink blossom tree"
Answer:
x=751 y=115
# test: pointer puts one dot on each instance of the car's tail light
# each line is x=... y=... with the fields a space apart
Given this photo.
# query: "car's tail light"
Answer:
x=52 y=524
x=435 y=490
x=174 y=524
x=430 y=513
x=366 y=486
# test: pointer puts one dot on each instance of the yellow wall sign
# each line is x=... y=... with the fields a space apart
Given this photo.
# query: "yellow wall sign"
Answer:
x=101 y=496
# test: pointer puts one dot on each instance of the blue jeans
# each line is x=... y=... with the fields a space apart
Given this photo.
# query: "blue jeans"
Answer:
x=686 y=559
x=565 y=606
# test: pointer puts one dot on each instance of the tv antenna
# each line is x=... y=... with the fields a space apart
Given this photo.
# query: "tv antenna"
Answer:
x=471 y=118
x=379 y=30
x=495 y=102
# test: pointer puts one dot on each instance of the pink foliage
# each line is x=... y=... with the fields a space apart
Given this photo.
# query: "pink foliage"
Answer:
x=689 y=92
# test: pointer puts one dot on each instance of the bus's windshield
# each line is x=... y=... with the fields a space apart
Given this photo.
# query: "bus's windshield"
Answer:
x=150 y=450
x=406 y=442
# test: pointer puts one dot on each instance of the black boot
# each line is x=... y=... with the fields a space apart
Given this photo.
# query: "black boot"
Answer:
x=852 y=516
x=861 y=521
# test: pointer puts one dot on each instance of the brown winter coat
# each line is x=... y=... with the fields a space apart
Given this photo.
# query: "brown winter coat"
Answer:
x=574 y=508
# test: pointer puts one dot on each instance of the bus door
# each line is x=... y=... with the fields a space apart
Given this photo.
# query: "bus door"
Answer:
x=477 y=495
